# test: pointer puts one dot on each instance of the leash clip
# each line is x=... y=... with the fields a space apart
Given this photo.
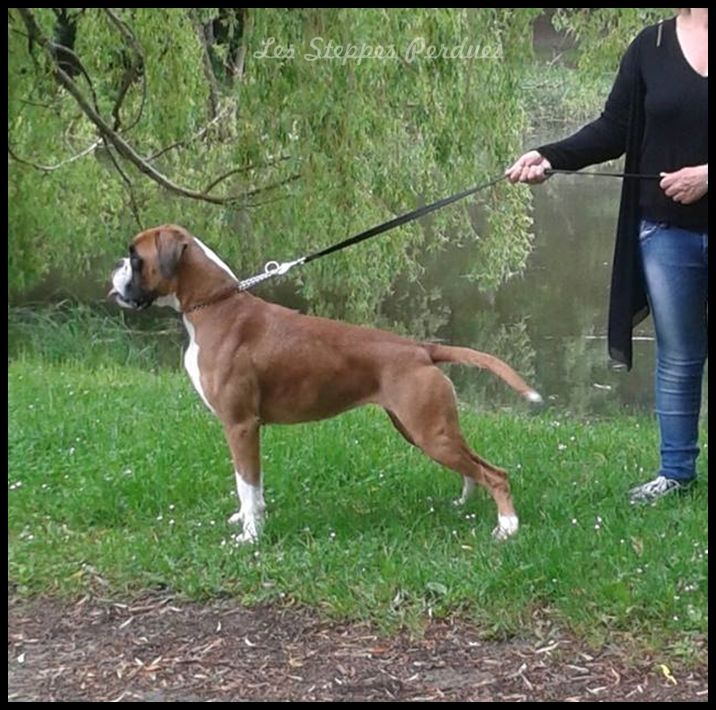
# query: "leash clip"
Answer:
x=273 y=268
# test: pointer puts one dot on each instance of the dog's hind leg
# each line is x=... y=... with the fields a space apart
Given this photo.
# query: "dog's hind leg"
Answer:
x=399 y=426
x=425 y=407
x=468 y=484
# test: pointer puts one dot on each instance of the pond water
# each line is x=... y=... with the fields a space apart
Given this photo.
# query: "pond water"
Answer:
x=553 y=318
x=550 y=323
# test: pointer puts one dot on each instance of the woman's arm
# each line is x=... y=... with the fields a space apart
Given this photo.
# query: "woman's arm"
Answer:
x=605 y=138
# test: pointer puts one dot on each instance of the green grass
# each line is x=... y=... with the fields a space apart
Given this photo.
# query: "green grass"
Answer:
x=94 y=335
x=120 y=481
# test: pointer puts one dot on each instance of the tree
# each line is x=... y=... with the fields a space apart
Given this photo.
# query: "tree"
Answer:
x=268 y=132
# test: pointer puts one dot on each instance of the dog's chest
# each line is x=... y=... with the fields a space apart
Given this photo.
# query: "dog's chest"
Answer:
x=191 y=363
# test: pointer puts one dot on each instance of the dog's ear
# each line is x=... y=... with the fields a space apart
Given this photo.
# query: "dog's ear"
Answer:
x=170 y=244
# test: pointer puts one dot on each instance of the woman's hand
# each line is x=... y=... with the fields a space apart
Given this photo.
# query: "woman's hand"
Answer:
x=687 y=185
x=530 y=168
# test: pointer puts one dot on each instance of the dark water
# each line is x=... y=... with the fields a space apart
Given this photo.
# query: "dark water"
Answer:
x=551 y=322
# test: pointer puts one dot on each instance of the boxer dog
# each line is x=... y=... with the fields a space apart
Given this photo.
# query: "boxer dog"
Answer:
x=255 y=363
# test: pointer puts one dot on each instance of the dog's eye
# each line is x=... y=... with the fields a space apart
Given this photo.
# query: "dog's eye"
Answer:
x=135 y=261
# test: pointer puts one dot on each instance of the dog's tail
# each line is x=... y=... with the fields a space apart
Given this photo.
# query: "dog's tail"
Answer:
x=467 y=356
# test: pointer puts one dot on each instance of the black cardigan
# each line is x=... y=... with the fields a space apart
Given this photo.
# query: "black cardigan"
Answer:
x=619 y=130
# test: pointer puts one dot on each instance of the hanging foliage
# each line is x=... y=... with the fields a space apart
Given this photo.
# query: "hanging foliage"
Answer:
x=268 y=132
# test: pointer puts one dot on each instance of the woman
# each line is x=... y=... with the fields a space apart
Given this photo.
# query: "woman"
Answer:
x=656 y=114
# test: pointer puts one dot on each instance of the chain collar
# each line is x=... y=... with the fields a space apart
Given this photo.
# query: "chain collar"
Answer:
x=221 y=296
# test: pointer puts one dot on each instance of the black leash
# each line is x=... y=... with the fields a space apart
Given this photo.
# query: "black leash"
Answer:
x=274 y=268
x=595 y=173
x=402 y=219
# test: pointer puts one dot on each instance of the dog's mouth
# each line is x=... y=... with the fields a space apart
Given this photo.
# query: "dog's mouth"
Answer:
x=134 y=304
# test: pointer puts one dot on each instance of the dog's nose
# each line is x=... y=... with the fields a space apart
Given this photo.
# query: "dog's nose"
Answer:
x=119 y=264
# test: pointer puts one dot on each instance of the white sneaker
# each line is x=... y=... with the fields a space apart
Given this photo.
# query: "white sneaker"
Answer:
x=653 y=490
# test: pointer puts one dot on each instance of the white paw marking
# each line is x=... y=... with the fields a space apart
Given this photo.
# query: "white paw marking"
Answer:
x=249 y=535
x=506 y=527
x=251 y=514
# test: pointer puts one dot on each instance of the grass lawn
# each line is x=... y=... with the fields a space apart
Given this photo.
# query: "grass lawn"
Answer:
x=120 y=481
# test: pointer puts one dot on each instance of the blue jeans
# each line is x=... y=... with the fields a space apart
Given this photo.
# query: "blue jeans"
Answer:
x=675 y=263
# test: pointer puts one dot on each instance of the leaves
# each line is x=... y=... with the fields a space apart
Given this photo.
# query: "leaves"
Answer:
x=321 y=133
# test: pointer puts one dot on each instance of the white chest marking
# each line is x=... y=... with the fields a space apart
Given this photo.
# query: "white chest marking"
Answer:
x=170 y=301
x=191 y=363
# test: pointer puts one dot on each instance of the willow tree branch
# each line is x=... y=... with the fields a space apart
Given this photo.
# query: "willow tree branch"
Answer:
x=133 y=206
x=273 y=186
x=191 y=139
x=206 y=64
x=122 y=147
x=237 y=67
x=62 y=49
x=243 y=169
x=52 y=168
x=133 y=71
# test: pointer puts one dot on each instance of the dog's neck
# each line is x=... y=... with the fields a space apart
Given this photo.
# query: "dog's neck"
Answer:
x=203 y=280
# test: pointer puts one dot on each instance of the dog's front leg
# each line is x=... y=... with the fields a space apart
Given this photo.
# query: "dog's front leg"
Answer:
x=243 y=439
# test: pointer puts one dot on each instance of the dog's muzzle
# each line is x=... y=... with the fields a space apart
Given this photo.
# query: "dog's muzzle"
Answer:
x=124 y=290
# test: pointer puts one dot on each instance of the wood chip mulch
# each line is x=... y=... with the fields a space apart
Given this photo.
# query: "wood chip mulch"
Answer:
x=160 y=650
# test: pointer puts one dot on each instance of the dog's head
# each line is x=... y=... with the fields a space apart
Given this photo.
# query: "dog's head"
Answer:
x=150 y=273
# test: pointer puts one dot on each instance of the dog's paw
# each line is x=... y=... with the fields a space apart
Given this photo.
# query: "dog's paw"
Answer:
x=507 y=527
x=245 y=538
x=251 y=527
x=236 y=519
